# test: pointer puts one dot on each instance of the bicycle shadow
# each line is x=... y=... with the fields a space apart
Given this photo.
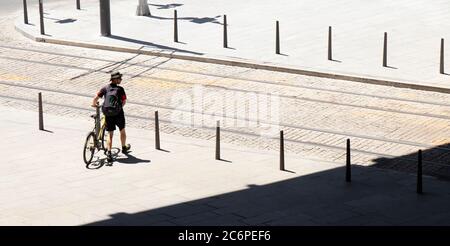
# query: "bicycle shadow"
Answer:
x=131 y=159
x=98 y=162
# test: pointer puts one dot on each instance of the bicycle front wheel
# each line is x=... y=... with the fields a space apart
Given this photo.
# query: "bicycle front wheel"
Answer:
x=89 y=148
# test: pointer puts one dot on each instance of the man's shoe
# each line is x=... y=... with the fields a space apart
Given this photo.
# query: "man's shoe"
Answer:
x=109 y=158
x=126 y=148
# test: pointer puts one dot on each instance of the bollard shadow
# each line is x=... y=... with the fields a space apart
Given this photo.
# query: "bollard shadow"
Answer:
x=44 y=130
x=282 y=54
x=223 y=160
x=167 y=6
x=375 y=197
x=131 y=159
x=152 y=45
x=288 y=171
x=445 y=73
x=163 y=150
x=334 y=60
x=391 y=67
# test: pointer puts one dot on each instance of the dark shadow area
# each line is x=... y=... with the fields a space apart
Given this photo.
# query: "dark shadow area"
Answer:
x=225 y=160
x=333 y=60
x=435 y=162
x=167 y=6
x=375 y=197
x=96 y=163
x=30 y=24
x=131 y=159
x=197 y=20
x=446 y=73
x=152 y=45
x=164 y=150
x=288 y=171
x=70 y=20
x=391 y=67
x=282 y=54
x=47 y=131
x=230 y=48
x=61 y=21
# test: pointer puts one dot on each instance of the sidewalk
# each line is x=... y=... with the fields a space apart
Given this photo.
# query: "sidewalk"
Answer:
x=44 y=182
x=414 y=29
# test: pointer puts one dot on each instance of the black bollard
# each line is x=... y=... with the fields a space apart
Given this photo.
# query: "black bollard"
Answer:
x=419 y=173
x=281 y=151
x=175 y=27
x=78 y=5
x=41 y=114
x=385 y=50
x=225 y=32
x=348 y=166
x=41 y=16
x=329 y=44
x=105 y=18
x=441 y=69
x=218 y=140
x=277 y=39
x=25 y=12
x=157 y=140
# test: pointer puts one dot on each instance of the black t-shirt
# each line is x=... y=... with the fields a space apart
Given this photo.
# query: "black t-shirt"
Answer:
x=120 y=92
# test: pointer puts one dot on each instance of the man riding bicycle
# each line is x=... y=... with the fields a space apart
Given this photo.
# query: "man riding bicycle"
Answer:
x=114 y=100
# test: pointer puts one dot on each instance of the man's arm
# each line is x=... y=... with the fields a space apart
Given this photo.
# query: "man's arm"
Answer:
x=95 y=101
x=97 y=97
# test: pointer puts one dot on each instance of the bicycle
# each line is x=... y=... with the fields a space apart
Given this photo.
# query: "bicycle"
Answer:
x=95 y=140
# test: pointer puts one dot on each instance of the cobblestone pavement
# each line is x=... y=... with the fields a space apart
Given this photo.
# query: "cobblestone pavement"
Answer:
x=386 y=125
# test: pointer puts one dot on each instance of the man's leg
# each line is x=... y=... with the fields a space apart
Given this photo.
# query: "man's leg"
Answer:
x=110 y=140
x=123 y=134
x=123 y=137
x=110 y=127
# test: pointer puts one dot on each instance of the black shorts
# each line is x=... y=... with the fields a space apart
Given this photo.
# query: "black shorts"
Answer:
x=113 y=121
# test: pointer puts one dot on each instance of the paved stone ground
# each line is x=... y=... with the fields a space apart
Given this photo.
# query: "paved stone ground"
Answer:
x=386 y=125
x=414 y=27
x=44 y=182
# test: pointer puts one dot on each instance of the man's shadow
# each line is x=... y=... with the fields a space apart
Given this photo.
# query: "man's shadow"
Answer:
x=130 y=159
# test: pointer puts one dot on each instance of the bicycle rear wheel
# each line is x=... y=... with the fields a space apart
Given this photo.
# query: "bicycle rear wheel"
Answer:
x=89 y=148
x=104 y=138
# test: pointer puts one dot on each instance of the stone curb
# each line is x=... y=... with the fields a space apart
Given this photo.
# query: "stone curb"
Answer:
x=239 y=63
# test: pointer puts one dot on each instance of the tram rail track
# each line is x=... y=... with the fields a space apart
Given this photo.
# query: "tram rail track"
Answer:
x=345 y=134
